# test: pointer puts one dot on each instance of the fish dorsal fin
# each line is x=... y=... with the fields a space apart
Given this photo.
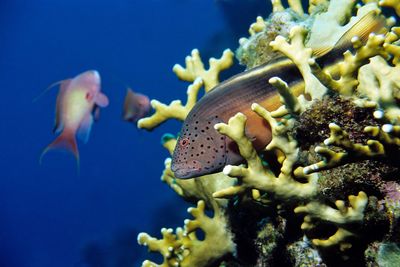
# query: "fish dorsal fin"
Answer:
x=48 y=89
x=320 y=51
x=58 y=126
x=368 y=24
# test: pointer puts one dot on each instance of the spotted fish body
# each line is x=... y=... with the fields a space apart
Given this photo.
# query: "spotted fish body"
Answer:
x=201 y=150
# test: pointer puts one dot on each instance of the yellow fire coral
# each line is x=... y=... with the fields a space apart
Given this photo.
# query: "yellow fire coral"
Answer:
x=341 y=216
x=340 y=139
x=184 y=248
x=194 y=72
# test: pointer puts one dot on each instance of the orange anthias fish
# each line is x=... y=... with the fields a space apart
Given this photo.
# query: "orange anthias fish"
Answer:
x=78 y=99
x=136 y=106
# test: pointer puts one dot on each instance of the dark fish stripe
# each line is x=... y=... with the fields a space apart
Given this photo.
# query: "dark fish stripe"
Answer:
x=244 y=89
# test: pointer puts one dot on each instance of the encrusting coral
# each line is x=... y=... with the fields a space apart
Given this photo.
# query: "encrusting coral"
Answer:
x=284 y=206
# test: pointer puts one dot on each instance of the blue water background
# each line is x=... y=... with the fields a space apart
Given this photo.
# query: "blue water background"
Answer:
x=49 y=215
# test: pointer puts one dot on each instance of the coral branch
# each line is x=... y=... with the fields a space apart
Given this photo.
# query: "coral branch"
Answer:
x=342 y=216
x=291 y=103
x=195 y=68
x=395 y=4
x=380 y=82
x=352 y=151
x=277 y=6
x=300 y=55
x=175 y=110
x=257 y=26
x=184 y=249
x=388 y=135
x=255 y=175
x=348 y=68
x=296 y=6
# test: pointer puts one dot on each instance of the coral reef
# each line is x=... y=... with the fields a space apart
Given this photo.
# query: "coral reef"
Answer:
x=326 y=190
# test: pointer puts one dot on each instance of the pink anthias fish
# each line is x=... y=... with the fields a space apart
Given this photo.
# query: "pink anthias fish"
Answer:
x=136 y=106
x=78 y=99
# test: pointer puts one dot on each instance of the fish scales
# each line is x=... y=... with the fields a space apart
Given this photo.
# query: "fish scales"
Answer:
x=244 y=89
x=201 y=141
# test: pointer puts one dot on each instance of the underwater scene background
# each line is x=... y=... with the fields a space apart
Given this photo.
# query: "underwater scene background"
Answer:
x=49 y=214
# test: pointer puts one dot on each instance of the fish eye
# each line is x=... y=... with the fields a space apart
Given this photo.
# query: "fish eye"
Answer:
x=184 y=142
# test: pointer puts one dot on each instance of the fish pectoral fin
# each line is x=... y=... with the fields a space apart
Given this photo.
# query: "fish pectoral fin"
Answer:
x=85 y=128
x=101 y=100
x=58 y=126
x=96 y=113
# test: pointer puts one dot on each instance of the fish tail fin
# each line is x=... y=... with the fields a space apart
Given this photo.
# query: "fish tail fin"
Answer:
x=67 y=141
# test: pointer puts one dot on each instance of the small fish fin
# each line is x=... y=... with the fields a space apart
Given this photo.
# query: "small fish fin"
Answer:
x=65 y=84
x=48 y=89
x=101 y=100
x=85 y=128
x=66 y=140
x=58 y=125
x=250 y=136
x=320 y=51
x=96 y=113
x=369 y=23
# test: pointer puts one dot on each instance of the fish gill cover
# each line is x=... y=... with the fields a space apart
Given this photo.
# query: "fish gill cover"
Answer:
x=325 y=191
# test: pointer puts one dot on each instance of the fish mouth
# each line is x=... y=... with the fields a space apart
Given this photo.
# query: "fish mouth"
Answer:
x=181 y=172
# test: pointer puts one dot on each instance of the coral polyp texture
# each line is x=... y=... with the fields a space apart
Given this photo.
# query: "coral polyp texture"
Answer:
x=325 y=191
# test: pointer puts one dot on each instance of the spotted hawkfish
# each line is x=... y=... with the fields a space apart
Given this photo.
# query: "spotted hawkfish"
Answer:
x=201 y=150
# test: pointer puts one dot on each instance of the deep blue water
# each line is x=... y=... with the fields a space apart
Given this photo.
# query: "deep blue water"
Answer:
x=49 y=215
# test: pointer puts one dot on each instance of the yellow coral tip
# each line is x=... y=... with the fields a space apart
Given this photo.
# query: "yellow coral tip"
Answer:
x=227 y=169
x=242 y=40
x=273 y=80
x=387 y=128
x=333 y=125
x=378 y=114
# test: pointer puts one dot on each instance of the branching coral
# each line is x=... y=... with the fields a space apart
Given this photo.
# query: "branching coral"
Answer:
x=380 y=83
x=194 y=72
x=297 y=174
x=255 y=175
x=183 y=248
x=391 y=3
x=301 y=56
x=350 y=152
x=195 y=68
x=175 y=110
x=341 y=216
